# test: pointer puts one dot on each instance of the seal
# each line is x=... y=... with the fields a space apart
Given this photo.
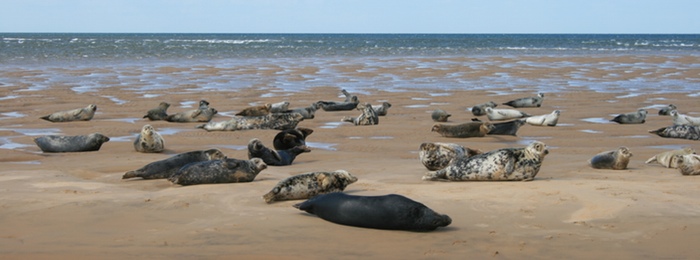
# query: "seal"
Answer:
x=495 y=114
x=202 y=114
x=689 y=132
x=278 y=121
x=348 y=96
x=262 y=110
x=638 y=117
x=287 y=139
x=464 y=130
x=78 y=114
x=339 y=106
x=368 y=116
x=507 y=164
x=436 y=156
x=68 y=144
x=165 y=168
x=225 y=170
x=158 y=113
x=271 y=157
x=307 y=112
x=680 y=119
x=668 y=159
x=527 y=101
x=688 y=164
x=615 y=159
x=392 y=212
x=382 y=109
x=544 y=120
x=480 y=109
x=308 y=185
x=504 y=128
x=440 y=115
x=667 y=110
x=279 y=107
x=149 y=141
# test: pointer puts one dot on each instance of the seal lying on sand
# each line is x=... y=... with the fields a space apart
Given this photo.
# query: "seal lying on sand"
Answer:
x=527 y=101
x=668 y=159
x=226 y=170
x=436 y=156
x=339 y=106
x=544 y=120
x=287 y=139
x=615 y=160
x=464 y=130
x=307 y=112
x=279 y=107
x=202 y=114
x=392 y=212
x=680 y=119
x=368 y=116
x=78 y=114
x=158 y=113
x=440 y=115
x=504 y=114
x=308 y=185
x=278 y=121
x=149 y=141
x=689 y=132
x=167 y=167
x=507 y=164
x=667 y=110
x=382 y=109
x=480 y=109
x=638 y=117
x=504 y=128
x=688 y=164
x=271 y=157
x=67 y=144
x=348 y=96
x=262 y=110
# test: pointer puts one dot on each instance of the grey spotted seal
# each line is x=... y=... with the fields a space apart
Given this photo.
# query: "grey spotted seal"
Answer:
x=507 y=164
x=368 y=116
x=279 y=107
x=480 y=109
x=535 y=101
x=689 y=132
x=202 y=114
x=256 y=149
x=382 y=109
x=277 y=121
x=165 y=168
x=680 y=119
x=225 y=170
x=615 y=159
x=308 y=185
x=287 y=139
x=638 y=117
x=391 y=212
x=504 y=128
x=261 y=110
x=158 y=113
x=68 y=144
x=435 y=156
x=339 y=106
x=544 y=120
x=667 y=110
x=668 y=159
x=464 y=130
x=149 y=141
x=688 y=164
x=78 y=114
x=439 y=115
x=498 y=114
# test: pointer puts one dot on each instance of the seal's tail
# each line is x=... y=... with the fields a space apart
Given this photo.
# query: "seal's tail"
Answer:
x=270 y=197
x=129 y=174
x=45 y=118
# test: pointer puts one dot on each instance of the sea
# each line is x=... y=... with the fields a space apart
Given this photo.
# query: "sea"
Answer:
x=303 y=61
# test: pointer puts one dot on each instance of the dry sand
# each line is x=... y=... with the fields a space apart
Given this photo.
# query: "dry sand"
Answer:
x=76 y=204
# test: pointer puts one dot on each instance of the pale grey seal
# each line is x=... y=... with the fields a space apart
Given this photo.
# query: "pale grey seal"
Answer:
x=308 y=185
x=78 y=114
x=149 y=141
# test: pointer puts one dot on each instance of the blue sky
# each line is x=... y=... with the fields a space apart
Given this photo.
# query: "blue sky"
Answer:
x=346 y=16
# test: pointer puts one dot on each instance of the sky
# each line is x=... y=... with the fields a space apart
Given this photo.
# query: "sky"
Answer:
x=351 y=16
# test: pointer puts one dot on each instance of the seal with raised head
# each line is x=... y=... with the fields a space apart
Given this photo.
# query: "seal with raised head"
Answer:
x=368 y=116
x=638 y=117
x=689 y=132
x=439 y=115
x=78 y=114
x=504 y=128
x=348 y=96
x=382 y=109
x=392 y=212
x=435 y=156
x=535 y=101
x=308 y=185
x=667 y=110
x=278 y=121
x=271 y=157
x=279 y=107
x=668 y=159
x=307 y=112
x=688 y=164
x=464 y=130
x=495 y=114
x=158 y=113
x=261 y=110
x=202 y=114
x=68 y=144
x=287 y=139
x=680 y=119
x=615 y=159
x=149 y=141
x=480 y=109
x=507 y=164
x=165 y=168
x=339 y=106
x=544 y=120
x=225 y=170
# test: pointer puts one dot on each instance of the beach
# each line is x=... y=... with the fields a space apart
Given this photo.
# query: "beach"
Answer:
x=68 y=205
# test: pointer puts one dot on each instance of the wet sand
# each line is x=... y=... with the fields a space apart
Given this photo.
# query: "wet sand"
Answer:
x=76 y=204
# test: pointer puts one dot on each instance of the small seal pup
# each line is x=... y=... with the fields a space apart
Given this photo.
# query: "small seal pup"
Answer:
x=287 y=139
x=202 y=114
x=339 y=106
x=435 y=156
x=382 y=109
x=638 y=117
x=544 y=120
x=504 y=128
x=165 y=168
x=261 y=110
x=480 y=109
x=368 y=116
x=440 y=115
x=279 y=107
x=225 y=170
x=688 y=164
x=495 y=114
x=392 y=212
x=667 y=110
x=308 y=185
x=158 y=113
x=78 y=114
x=271 y=157
x=668 y=159
x=689 y=132
x=278 y=121
x=149 y=141
x=527 y=101
x=68 y=144
x=507 y=164
x=680 y=119
x=615 y=159
x=464 y=130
